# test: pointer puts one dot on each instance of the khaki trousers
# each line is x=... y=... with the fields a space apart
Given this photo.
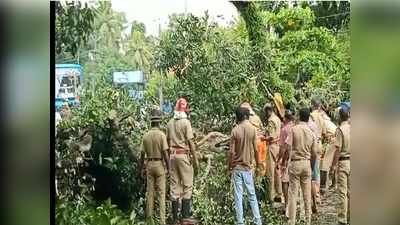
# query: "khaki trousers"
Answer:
x=181 y=177
x=155 y=183
x=328 y=157
x=275 y=188
x=299 y=175
x=343 y=187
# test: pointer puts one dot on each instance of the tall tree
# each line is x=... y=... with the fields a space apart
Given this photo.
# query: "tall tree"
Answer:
x=109 y=25
x=138 y=26
x=334 y=15
x=74 y=23
x=139 y=51
x=253 y=15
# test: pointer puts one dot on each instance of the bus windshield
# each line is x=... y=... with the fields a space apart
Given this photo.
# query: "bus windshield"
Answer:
x=67 y=83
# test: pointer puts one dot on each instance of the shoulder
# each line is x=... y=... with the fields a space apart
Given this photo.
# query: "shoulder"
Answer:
x=275 y=119
x=146 y=135
x=257 y=118
x=159 y=132
x=296 y=127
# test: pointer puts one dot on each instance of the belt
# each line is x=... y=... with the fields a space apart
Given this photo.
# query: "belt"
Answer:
x=179 y=150
x=344 y=158
x=295 y=160
x=153 y=159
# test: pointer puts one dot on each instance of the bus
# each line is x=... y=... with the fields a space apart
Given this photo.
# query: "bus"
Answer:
x=68 y=84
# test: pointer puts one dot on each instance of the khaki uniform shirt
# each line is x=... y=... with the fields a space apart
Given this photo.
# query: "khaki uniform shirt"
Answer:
x=154 y=143
x=302 y=141
x=318 y=119
x=244 y=136
x=274 y=127
x=179 y=132
x=256 y=122
x=342 y=139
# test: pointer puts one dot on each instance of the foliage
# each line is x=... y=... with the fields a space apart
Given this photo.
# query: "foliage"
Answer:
x=109 y=26
x=185 y=49
x=334 y=15
x=82 y=212
x=217 y=68
x=314 y=62
x=252 y=14
x=138 y=26
x=112 y=160
x=74 y=23
x=290 y=19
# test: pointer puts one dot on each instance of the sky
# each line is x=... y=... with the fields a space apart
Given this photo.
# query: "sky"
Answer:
x=153 y=12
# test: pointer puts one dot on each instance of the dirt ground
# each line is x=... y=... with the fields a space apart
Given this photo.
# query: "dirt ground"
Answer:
x=327 y=212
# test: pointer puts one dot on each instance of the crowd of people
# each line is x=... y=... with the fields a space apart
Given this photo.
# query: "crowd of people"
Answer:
x=298 y=152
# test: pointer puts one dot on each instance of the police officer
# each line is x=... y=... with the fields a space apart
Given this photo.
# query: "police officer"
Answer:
x=301 y=145
x=183 y=159
x=272 y=137
x=283 y=157
x=329 y=152
x=155 y=151
x=317 y=117
x=342 y=162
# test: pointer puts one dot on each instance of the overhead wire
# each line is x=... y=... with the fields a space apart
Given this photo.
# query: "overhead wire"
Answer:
x=333 y=15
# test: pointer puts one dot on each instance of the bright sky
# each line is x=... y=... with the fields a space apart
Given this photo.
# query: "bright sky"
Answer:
x=153 y=12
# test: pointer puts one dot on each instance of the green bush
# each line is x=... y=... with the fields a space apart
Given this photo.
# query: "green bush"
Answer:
x=85 y=213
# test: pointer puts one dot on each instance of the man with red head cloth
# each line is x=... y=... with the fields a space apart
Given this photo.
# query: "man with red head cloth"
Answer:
x=183 y=159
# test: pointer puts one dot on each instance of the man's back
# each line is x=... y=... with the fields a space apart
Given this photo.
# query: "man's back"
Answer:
x=154 y=142
x=179 y=131
x=303 y=142
x=343 y=139
x=245 y=140
x=274 y=127
x=318 y=119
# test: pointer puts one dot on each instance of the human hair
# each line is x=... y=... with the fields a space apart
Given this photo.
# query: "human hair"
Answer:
x=289 y=115
x=268 y=107
x=304 y=114
x=344 y=113
x=155 y=123
x=242 y=114
x=315 y=103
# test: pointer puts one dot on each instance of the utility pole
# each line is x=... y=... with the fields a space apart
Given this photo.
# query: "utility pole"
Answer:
x=161 y=74
x=185 y=7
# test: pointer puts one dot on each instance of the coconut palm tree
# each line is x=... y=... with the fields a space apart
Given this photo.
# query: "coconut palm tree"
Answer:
x=109 y=25
x=139 y=49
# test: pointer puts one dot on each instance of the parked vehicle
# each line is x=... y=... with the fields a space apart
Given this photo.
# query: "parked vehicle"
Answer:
x=68 y=84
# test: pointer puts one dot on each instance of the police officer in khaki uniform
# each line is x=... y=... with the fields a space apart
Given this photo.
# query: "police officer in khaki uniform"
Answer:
x=283 y=157
x=302 y=145
x=155 y=151
x=183 y=158
x=272 y=137
x=342 y=161
x=317 y=117
x=328 y=154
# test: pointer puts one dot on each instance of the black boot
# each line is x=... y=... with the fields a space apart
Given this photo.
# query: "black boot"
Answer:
x=187 y=213
x=333 y=179
x=175 y=207
x=324 y=177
